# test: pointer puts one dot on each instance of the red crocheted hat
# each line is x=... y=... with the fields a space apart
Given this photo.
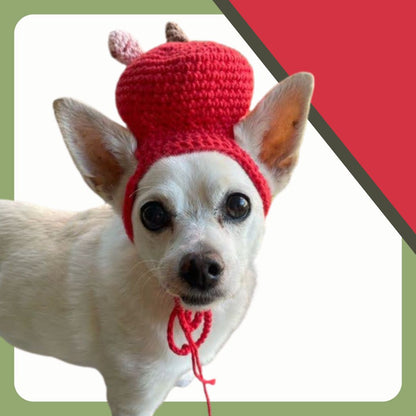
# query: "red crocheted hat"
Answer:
x=183 y=97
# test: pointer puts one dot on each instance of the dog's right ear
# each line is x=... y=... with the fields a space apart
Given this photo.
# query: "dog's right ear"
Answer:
x=102 y=150
x=271 y=133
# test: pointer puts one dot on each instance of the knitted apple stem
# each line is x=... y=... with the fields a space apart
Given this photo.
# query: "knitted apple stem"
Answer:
x=174 y=33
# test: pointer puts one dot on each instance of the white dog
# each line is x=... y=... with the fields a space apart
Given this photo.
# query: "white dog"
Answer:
x=75 y=287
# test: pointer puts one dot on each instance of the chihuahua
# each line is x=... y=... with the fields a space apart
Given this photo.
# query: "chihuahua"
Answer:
x=77 y=287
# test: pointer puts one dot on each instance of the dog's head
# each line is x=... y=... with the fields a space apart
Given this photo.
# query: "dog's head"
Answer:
x=197 y=217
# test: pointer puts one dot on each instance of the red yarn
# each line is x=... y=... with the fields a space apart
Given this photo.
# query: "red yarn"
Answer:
x=189 y=324
x=184 y=97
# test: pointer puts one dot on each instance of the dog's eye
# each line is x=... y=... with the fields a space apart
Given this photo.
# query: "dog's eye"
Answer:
x=237 y=206
x=154 y=216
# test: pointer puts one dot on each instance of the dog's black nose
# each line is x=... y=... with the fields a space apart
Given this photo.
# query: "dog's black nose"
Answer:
x=201 y=271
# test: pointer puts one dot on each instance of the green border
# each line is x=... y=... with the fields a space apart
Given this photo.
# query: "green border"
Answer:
x=10 y=401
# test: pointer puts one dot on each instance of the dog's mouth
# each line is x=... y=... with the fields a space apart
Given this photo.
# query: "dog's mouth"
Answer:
x=200 y=299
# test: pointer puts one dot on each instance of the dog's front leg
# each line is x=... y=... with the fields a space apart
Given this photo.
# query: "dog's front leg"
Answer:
x=135 y=395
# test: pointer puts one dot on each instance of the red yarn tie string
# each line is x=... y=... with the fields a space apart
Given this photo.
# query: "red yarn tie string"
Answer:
x=189 y=324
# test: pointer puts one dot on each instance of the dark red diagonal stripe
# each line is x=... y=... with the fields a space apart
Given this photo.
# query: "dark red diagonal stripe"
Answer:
x=362 y=55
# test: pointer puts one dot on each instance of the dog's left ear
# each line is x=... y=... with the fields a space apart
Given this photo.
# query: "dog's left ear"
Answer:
x=102 y=150
x=272 y=132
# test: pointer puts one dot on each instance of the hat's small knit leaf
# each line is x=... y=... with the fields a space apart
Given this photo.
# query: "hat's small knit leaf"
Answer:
x=123 y=47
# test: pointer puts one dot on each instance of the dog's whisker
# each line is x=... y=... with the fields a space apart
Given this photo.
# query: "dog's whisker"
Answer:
x=141 y=263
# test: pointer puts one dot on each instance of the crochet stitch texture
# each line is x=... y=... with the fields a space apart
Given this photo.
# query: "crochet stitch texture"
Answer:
x=184 y=97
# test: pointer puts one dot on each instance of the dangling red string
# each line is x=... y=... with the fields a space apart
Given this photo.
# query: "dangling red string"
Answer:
x=189 y=324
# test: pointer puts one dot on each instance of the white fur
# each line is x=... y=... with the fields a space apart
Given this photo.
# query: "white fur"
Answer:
x=73 y=286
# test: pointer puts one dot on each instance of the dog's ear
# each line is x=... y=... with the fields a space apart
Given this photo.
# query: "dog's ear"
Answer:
x=271 y=133
x=102 y=150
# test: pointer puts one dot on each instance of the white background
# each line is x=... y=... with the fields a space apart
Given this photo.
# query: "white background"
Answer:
x=325 y=323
